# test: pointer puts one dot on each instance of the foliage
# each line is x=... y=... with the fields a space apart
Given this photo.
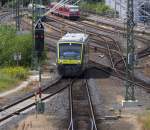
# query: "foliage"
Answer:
x=97 y=7
x=11 y=43
x=15 y=72
x=7 y=82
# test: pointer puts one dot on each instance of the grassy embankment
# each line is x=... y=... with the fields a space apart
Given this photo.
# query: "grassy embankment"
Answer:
x=10 y=43
x=11 y=76
x=144 y=119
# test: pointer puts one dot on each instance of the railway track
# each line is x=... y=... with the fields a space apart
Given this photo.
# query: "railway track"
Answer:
x=93 y=40
x=107 y=41
x=81 y=108
x=113 y=51
x=136 y=82
x=119 y=25
x=103 y=43
x=111 y=32
x=3 y=15
x=20 y=106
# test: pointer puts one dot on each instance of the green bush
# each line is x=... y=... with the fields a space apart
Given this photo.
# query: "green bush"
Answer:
x=11 y=43
x=7 y=82
x=15 y=72
x=97 y=7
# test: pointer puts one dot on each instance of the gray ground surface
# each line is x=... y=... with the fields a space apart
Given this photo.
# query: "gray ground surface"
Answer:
x=55 y=111
x=107 y=95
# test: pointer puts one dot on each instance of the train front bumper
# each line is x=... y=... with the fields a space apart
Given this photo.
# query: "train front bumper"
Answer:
x=70 y=69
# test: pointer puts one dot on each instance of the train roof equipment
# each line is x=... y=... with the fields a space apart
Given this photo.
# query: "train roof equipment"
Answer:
x=74 y=37
x=60 y=4
x=66 y=5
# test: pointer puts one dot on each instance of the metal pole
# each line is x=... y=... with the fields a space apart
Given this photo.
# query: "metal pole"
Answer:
x=115 y=10
x=39 y=63
x=130 y=53
x=33 y=62
x=40 y=9
x=17 y=15
x=12 y=4
x=8 y=4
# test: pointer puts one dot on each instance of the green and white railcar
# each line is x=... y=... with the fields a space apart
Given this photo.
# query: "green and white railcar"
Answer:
x=72 y=54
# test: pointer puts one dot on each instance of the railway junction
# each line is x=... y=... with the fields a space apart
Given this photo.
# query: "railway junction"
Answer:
x=112 y=93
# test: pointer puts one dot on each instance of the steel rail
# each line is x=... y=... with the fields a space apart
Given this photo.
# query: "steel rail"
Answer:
x=115 y=74
x=91 y=106
x=56 y=37
x=32 y=104
x=114 y=51
x=97 y=35
x=91 y=116
x=31 y=94
x=101 y=37
x=65 y=23
x=2 y=16
x=71 y=125
x=118 y=27
x=114 y=42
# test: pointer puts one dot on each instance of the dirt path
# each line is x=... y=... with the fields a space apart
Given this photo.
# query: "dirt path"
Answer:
x=33 y=122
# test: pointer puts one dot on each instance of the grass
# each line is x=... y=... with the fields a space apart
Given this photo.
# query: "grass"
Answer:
x=144 y=119
x=7 y=82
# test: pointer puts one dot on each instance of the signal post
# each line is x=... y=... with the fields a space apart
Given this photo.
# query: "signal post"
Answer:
x=39 y=48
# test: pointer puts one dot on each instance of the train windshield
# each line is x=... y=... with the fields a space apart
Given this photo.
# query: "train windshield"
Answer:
x=70 y=51
x=74 y=9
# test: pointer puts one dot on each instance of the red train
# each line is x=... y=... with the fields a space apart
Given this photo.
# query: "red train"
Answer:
x=66 y=10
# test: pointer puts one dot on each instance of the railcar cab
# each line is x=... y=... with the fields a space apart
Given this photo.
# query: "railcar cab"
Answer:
x=72 y=54
x=66 y=10
x=74 y=9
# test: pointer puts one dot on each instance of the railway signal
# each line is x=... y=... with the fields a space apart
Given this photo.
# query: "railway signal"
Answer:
x=39 y=38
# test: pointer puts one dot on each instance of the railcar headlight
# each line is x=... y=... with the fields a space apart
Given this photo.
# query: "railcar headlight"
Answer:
x=60 y=61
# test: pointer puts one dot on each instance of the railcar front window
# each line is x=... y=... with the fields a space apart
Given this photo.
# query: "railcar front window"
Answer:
x=74 y=9
x=70 y=51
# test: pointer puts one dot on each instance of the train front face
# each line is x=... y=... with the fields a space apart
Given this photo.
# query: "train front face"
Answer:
x=69 y=59
x=74 y=13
